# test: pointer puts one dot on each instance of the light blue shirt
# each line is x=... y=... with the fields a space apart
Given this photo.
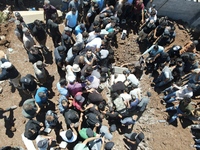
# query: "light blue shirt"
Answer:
x=152 y=52
x=62 y=90
x=41 y=100
x=71 y=19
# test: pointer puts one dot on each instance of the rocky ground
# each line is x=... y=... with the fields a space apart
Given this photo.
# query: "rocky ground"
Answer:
x=158 y=136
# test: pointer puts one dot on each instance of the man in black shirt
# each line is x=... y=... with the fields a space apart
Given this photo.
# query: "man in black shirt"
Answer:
x=35 y=55
x=40 y=35
x=29 y=84
x=10 y=72
x=60 y=55
x=71 y=117
x=18 y=30
x=146 y=30
x=53 y=30
x=33 y=129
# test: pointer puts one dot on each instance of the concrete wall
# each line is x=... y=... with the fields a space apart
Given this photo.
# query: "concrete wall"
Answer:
x=188 y=11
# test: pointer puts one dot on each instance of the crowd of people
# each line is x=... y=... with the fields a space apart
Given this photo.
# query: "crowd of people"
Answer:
x=84 y=55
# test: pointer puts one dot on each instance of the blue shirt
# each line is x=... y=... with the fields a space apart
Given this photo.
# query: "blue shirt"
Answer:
x=60 y=106
x=62 y=90
x=71 y=19
x=41 y=100
x=152 y=52
x=78 y=30
x=100 y=3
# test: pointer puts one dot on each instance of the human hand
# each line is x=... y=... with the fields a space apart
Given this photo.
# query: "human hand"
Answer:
x=97 y=125
x=41 y=129
x=72 y=125
x=180 y=115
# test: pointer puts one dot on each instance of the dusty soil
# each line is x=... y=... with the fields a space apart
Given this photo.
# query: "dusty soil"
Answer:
x=159 y=136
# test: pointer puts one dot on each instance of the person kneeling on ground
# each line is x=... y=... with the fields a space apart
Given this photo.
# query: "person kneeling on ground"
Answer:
x=184 y=109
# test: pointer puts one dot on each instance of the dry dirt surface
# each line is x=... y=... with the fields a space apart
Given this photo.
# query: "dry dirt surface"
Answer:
x=158 y=136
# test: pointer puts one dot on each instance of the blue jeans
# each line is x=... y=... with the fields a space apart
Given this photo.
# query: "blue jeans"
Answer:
x=170 y=97
x=197 y=141
x=175 y=116
x=127 y=121
x=170 y=89
x=143 y=103
x=160 y=81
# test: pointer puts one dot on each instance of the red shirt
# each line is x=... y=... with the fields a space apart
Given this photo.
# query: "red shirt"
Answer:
x=138 y=7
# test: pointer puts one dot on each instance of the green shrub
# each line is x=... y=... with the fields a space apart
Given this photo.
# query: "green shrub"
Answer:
x=2 y=17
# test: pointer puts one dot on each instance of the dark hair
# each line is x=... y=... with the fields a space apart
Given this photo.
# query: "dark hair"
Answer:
x=73 y=9
x=97 y=30
x=153 y=12
x=103 y=79
x=85 y=34
x=89 y=69
x=133 y=97
x=119 y=12
x=96 y=23
x=102 y=106
x=162 y=65
x=109 y=36
x=96 y=5
x=156 y=47
x=186 y=99
x=63 y=82
x=173 y=28
x=82 y=27
x=53 y=16
x=114 y=95
x=37 y=22
x=75 y=49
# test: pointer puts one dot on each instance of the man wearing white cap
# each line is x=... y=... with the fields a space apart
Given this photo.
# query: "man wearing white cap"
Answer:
x=69 y=136
x=10 y=72
x=73 y=71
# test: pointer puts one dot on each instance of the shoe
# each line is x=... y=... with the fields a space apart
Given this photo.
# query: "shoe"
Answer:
x=161 y=97
x=162 y=121
x=13 y=107
x=149 y=94
x=1 y=90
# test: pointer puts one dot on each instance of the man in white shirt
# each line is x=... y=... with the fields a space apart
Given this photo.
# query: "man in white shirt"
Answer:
x=94 y=45
x=136 y=91
x=94 y=34
x=131 y=78
x=165 y=77
x=181 y=93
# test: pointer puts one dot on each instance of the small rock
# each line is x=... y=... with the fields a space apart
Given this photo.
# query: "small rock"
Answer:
x=13 y=129
x=1 y=90
x=24 y=121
